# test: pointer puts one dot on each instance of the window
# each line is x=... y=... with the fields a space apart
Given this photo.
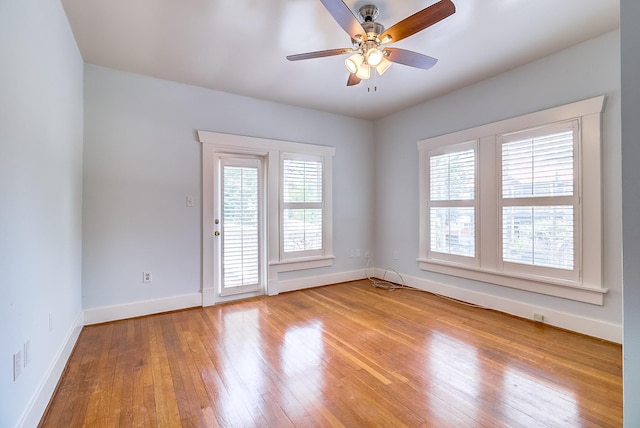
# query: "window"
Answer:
x=452 y=201
x=508 y=207
x=539 y=203
x=302 y=206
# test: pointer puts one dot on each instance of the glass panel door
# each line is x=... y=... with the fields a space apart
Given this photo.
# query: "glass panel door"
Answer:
x=239 y=228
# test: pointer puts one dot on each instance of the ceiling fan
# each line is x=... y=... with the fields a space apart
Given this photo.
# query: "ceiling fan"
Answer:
x=369 y=38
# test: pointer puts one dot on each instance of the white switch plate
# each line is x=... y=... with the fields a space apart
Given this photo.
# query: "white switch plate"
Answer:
x=17 y=365
x=189 y=201
x=27 y=353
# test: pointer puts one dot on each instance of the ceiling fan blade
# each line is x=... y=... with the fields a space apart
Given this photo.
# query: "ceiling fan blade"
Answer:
x=353 y=79
x=419 y=21
x=319 y=54
x=410 y=58
x=343 y=16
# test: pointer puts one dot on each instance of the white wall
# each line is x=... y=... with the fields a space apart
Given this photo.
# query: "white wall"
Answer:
x=630 y=34
x=583 y=71
x=142 y=158
x=41 y=115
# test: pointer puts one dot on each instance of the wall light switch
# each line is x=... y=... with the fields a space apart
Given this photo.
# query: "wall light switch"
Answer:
x=27 y=353
x=17 y=365
x=189 y=201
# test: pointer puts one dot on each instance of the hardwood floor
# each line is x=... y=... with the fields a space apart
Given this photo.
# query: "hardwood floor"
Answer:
x=344 y=355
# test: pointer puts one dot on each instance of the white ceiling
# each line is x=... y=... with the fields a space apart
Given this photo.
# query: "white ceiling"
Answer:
x=239 y=46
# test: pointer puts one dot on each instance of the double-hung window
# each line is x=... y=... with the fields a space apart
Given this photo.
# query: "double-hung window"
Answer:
x=538 y=200
x=302 y=206
x=518 y=202
x=452 y=202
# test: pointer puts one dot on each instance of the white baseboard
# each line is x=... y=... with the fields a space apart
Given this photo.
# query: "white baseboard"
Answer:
x=282 y=286
x=589 y=326
x=38 y=404
x=137 y=309
x=208 y=296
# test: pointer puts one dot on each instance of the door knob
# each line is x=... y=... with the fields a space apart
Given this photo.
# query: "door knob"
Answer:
x=216 y=233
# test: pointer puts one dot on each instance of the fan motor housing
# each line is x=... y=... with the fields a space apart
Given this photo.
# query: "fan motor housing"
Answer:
x=373 y=29
x=368 y=14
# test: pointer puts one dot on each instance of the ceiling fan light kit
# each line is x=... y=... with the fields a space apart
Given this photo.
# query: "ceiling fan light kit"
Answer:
x=374 y=56
x=383 y=66
x=354 y=62
x=364 y=71
x=369 y=38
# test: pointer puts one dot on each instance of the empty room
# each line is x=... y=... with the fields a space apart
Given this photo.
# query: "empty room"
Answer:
x=319 y=213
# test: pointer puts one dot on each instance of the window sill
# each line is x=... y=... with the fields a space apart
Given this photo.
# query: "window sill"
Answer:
x=543 y=285
x=301 y=264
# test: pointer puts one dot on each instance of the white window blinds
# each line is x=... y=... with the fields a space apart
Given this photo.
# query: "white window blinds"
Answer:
x=302 y=206
x=452 y=202
x=240 y=226
x=538 y=198
x=538 y=167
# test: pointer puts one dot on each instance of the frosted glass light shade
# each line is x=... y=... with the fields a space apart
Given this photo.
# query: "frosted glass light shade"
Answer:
x=353 y=63
x=383 y=66
x=374 y=56
x=364 y=72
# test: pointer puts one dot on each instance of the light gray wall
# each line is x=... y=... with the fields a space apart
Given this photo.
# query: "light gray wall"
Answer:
x=567 y=76
x=630 y=35
x=142 y=158
x=41 y=115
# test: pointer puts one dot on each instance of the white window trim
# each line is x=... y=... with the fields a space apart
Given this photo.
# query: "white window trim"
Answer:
x=589 y=287
x=214 y=143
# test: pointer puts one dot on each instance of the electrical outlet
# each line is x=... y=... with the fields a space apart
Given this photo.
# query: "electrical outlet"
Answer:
x=146 y=276
x=17 y=365
x=395 y=255
x=538 y=317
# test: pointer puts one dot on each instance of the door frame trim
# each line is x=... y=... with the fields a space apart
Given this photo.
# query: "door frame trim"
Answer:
x=210 y=154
